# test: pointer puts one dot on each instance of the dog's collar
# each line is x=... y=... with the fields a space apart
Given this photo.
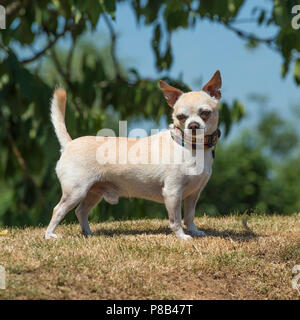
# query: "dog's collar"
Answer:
x=209 y=140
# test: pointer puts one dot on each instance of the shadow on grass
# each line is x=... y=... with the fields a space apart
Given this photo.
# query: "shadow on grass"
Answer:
x=119 y=231
x=243 y=236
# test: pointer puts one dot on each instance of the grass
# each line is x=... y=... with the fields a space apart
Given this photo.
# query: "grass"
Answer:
x=142 y=260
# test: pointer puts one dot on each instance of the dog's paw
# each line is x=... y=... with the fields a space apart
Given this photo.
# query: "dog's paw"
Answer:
x=181 y=235
x=194 y=231
x=185 y=237
x=197 y=233
x=50 y=236
x=88 y=233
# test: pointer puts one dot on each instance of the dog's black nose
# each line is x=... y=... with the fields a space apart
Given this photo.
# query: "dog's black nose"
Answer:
x=194 y=126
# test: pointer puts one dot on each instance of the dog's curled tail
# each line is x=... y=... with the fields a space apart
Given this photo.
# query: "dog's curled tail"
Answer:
x=58 y=107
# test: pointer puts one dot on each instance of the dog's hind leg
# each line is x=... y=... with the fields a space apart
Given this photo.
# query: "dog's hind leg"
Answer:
x=82 y=211
x=67 y=202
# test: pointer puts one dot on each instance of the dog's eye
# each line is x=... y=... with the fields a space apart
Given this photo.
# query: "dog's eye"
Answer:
x=205 y=114
x=181 y=117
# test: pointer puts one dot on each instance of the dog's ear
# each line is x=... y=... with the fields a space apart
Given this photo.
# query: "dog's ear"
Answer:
x=171 y=94
x=213 y=86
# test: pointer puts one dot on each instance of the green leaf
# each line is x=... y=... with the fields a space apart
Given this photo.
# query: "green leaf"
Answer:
x=110 y=6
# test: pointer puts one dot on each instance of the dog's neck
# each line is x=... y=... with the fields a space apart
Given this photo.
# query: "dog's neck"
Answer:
x=195 y=141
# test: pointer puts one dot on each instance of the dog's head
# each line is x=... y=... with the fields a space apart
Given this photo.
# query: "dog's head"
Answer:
x=196 y=109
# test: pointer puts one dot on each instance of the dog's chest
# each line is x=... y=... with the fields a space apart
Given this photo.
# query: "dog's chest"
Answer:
x=198 y=178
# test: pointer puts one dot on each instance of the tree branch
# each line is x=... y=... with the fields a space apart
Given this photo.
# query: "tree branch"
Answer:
x=270 y=41
x=248 y=36
x=49 y=46
x=70 y=57
x=242 y=20
x=113 y=37
x=64 y=75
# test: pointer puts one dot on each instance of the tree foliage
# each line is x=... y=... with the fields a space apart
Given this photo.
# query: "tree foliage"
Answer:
x=97 y=91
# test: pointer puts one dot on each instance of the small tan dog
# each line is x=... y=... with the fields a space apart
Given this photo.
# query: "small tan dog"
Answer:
x=85 y=181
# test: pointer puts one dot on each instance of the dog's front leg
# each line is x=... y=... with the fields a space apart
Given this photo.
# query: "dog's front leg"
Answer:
x=173 y=205
x=189 y=214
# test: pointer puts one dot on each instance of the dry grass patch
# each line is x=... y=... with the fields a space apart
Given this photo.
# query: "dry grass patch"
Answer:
x=143 y=260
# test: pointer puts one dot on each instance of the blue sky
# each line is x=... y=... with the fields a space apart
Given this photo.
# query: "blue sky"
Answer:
x=208 y=47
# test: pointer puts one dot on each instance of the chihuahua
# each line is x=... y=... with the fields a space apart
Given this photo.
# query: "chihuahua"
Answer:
x=87 y=175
